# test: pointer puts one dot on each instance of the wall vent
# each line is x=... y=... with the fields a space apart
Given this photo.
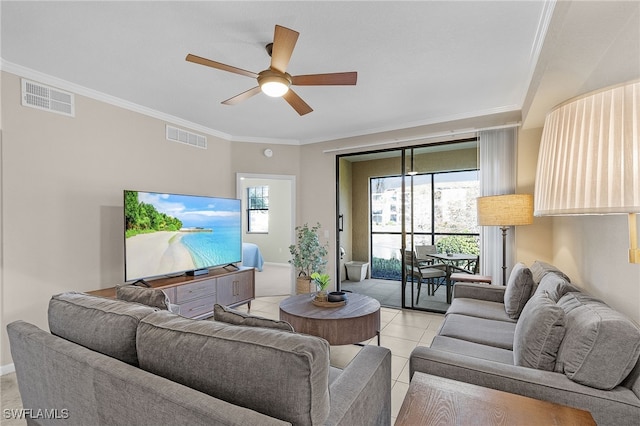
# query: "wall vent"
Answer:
x=36 y=95
x=189 y=138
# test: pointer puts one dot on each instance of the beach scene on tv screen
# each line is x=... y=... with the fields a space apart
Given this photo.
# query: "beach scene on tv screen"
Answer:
x=170 y=233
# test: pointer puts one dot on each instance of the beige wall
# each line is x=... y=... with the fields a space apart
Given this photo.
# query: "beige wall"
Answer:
x=317 y=198
x=593 y=250
x=533 y=242
x=62 y=183
x=249 y=158
x=346 y=209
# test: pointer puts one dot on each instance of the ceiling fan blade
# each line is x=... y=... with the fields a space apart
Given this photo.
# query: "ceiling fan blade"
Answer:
x=219 y=65
x=242 y=96
x=332 y=79
x=284 y=40
x=297 y=103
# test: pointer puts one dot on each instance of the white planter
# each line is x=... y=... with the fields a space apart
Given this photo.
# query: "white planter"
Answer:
x=356 y=271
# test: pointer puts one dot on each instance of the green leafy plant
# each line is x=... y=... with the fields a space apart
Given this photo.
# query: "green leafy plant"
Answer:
x=307 y=256
x=458 y=244
x=321 y=280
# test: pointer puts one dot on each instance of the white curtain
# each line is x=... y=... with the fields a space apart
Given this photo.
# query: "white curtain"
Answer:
x=497 y=177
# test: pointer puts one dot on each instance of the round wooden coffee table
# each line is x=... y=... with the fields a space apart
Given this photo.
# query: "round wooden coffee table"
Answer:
x=354 y=322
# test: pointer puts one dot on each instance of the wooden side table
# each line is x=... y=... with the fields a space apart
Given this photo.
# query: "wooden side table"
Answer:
x=354 y=322
x=433 y=400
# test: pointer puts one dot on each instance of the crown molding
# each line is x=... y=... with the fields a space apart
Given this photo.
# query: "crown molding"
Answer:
x=50 y=80
x=253 y=139
x=414 y=124
x=59 y=83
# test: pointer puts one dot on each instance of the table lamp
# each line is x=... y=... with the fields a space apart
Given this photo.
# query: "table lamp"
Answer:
x=505 y=211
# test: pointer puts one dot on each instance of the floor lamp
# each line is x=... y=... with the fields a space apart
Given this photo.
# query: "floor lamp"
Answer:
x=504 y=211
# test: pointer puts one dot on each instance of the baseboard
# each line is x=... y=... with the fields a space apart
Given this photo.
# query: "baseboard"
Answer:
x=7 y=369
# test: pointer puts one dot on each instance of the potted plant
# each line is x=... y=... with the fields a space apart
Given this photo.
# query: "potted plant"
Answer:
x=322 y=282
x=307 y=256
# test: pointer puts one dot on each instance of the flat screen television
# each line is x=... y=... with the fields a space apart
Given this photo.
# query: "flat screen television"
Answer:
x=171 y=234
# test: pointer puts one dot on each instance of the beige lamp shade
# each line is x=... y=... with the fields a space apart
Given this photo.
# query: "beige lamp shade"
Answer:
x=505 y=210
x=589 y=159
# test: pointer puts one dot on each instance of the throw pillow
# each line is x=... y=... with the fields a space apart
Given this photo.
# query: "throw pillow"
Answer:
x=539 y=269
x=601 y=346
x=539 y=333
x=555 y=286
x=518 y=290
x=153 y=297
x=231 y=316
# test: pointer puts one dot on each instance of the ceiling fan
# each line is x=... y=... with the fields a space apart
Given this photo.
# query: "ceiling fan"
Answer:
x=275 y=81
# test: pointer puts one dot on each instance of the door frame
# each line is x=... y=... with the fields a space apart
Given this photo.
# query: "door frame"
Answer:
x=292 y=180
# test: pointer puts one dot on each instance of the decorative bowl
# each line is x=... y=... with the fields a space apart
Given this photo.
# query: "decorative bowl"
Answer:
x=336 y=296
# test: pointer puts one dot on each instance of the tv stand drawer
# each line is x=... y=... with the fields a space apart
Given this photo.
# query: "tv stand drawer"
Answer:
x=197 y=290
x=196 y=308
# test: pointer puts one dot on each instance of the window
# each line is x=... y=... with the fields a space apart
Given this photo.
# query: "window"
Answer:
x=258 y=211
x=440 y=209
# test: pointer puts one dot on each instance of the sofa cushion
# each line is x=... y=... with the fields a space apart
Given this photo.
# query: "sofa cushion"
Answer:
x=555 y=286
x=479 y=330
x=476 y=350
x=232 y=316
x=518 y=290
x=107 y=326
x=600 y=347
x=539 y=332
x=153 y=297
x=241 y=364
x=539 y=269
x=479 y=308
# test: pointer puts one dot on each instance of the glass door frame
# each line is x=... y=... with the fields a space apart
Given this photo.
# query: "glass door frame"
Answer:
x=405 y=178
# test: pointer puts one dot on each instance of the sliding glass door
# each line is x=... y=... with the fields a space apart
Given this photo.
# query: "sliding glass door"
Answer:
x=416 y=198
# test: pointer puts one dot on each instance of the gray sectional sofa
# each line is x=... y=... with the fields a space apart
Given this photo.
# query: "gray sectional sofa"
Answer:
x=112 y=362
x=540 y=337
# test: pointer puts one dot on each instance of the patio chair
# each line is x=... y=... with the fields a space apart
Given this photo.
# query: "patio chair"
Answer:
x=423 y=252
x=434 y=275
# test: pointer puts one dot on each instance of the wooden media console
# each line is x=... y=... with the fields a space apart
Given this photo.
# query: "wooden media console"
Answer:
x=196 y=295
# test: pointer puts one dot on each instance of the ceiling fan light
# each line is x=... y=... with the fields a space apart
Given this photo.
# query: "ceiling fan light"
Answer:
x=274 y=89
x=273 y=83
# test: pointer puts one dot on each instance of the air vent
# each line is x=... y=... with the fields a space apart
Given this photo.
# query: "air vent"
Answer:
x=36 y=95
x=189 y=138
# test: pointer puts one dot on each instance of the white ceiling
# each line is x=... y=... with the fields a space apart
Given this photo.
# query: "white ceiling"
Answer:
x=418 y=62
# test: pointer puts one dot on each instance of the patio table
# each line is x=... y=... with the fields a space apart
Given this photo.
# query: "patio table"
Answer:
x=451 y=259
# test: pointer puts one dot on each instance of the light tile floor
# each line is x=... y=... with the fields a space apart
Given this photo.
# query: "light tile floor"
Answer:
x=401 y=331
